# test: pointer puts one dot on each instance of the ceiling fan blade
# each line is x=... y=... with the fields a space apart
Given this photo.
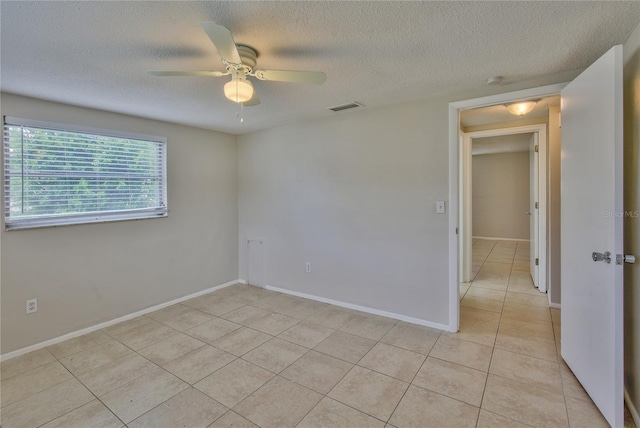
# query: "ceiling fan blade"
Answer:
x=316 y=77
x=223 y=41
x=189 y=73
x=254 y=101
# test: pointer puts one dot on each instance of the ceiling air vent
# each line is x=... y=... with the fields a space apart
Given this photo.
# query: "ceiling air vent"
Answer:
x=345 y=107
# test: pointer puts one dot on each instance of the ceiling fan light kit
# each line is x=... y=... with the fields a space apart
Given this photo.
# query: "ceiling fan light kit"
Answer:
x=521 y=108
x=240 y=62
x=238 y=90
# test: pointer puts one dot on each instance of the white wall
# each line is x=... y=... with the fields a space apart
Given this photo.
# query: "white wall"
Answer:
x=86 y=274
x=501 y=195
x=632 y=229
x=354 y=195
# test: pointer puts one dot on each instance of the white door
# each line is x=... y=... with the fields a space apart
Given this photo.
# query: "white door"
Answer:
x=592 y=336
x=534 y=219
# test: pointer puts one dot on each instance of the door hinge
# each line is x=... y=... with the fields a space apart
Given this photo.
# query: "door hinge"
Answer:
x=625 y=258
x=536 y=205
x=536 y=148
x=537 y=261
x=456 y=230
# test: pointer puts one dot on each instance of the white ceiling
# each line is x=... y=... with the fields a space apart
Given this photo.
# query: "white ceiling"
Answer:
x=97 y=54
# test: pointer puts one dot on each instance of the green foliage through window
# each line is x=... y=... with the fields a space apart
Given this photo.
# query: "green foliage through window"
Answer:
x=52 y=173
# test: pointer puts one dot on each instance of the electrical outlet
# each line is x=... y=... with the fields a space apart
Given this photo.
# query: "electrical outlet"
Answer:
x=32 y=306
x=308 y=267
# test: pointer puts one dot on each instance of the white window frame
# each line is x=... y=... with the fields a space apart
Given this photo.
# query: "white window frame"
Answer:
x=94 y=217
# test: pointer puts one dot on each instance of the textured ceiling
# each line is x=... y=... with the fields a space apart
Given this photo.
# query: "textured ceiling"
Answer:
x=97 y=54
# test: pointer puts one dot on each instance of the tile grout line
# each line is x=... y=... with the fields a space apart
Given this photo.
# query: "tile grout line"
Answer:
x=59 y=361
x=499 y=323
x=85 y=387
x=131 y=381
x=411 y=383
x=293 y=362
x=560 y=362
x=356 y=365
x=375 y=371
x=156 y=365
x=182 y=380
x=522 y=383
x=484 y=389
x=279 y=374
x=343 y=376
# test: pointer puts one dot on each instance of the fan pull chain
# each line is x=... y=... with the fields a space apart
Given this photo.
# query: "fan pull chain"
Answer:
x=240 y=114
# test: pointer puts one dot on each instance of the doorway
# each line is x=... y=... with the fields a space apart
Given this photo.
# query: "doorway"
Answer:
x=535 y=143
x=592 y=147
x=457 y=151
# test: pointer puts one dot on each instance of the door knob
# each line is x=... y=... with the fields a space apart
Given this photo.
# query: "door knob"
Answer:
x=527 y=213
x=598 y=257
x=626 y=258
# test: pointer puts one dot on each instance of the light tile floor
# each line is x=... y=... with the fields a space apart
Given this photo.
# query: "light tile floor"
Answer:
x=247 y=357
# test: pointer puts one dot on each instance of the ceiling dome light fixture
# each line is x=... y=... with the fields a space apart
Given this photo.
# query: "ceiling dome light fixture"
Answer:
x=238 y=90
x=522 y=108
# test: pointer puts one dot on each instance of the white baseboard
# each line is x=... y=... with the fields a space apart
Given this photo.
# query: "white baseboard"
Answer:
x=93 y=328
x=366 y=309
x=554 y=305
x=632 y=408
x=500 y=239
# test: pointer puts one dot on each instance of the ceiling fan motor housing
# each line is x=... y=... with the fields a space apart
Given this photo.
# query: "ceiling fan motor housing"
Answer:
x=248 y=56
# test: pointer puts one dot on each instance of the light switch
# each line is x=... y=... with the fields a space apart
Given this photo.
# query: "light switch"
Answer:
x=440 y=207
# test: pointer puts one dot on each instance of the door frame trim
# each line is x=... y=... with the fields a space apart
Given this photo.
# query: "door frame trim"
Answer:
x=454 y=171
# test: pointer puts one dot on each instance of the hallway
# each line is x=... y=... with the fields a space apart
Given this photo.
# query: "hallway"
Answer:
x=503 y=311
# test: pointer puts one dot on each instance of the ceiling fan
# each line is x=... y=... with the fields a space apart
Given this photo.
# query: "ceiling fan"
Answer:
x=240 y=61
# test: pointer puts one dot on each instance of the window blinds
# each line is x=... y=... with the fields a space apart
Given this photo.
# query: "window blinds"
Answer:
x=54 y=175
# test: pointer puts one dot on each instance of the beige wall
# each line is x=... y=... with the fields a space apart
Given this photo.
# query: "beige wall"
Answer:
x=501 y=195
x=352 y=193
x=86 y=274
x=632 y=229
x=355 y=194
x=553 y=214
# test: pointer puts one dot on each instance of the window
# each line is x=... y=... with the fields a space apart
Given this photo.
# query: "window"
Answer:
x=58 y=174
